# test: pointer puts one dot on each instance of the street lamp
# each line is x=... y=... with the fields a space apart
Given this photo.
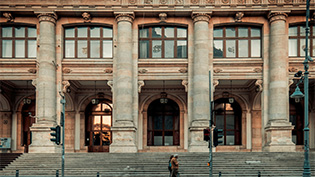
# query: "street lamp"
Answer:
x=298 y=94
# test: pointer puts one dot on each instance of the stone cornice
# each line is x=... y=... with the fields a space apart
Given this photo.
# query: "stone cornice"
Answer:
x=50 y=17
x=275 y=16
x=125 y=17
x=201 y=16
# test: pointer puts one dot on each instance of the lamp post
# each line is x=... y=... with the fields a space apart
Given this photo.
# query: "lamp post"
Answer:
x=298 y=94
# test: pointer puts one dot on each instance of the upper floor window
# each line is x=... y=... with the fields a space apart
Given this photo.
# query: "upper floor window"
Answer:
x=163 y=42
x=237 y=42
x=88 y=42
x=297 y=41
x=18 y=42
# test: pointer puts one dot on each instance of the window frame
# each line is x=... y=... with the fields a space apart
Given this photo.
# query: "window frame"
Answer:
x=162 y=39
x=88 y=39
x=237 y=39
x=14 y=39
x=311 y=38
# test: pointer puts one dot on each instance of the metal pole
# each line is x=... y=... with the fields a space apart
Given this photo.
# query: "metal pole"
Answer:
x=62 y=123
x=57 y=173
x=210 y=127
x=17 y=173
x=307 y=168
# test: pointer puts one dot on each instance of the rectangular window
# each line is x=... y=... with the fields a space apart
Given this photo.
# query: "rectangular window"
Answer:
x=163 y=42
x=293 y=47
x=88 y=42
x=237 y=42
x=297 y=41
x=18 y=42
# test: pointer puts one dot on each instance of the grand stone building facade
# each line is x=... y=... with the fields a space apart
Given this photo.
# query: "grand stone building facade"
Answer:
x=135 y=74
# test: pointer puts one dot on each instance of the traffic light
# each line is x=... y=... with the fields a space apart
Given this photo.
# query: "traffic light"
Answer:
x=217 y=135
x=206 y=134
x=55 y=134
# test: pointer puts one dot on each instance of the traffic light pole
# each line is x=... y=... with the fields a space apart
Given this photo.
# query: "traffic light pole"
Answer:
x=62 y=123
x=210 y=127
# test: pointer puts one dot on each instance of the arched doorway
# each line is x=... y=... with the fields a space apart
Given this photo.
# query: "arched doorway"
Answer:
x=163 y=124
x=296 y=119
x=228 y=117
x=28 y=111
x=98 y=124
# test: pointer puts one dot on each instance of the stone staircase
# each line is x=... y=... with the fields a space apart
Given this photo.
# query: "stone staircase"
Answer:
x=155 y=164
x=7 y=158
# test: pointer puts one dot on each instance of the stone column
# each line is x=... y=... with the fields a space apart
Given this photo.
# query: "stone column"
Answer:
x=278 y=130
x=200 y=83
x=123 y=129
x=45 y=86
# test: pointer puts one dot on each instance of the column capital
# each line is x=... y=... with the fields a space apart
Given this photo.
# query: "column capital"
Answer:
x=50 y=17
x=201 y=16
x=275 y=16
x=125 y=16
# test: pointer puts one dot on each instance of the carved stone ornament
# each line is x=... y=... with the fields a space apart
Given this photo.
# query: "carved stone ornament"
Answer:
x=201 y=17
x=125 y=17
x=163 y=2
x=257 y=70
x=217 y=70
x=215 y=84
x=225 y=1
x=8 y=16
x=33 y=71
x=292 y=69
x=66 y=70
x=66 y=85
x=274 y=16
x=179 y=1
x=259 y=83
x=142 y=71
x=50 y=17
x=185 y=84
x=110 y=84
x=86 y=17
x=108 y=70
x=256 y=1
x=163 y=17
x=132 y=1
x=291 y=81
x=183 y=70
x=239 y=16
x=194 y=1
x=272 y=1
x=140 y=84
x=34 y=82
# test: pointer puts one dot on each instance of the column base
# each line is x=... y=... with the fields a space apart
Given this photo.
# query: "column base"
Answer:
x=41 y=139
x=124 y=140
x=197 y=144
x=279 y=137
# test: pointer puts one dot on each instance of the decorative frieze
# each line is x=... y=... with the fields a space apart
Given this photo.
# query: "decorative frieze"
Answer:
x=257 y=70
x=142 y=71
x=125 y=17
x=292 y=69
x=194 y=1
x=32 y=70
x=239 y=16
x=50 y=17
x=86 y=17
x=108 y=70
x=183 y=70
x=256 y=1
x=66 y=70
x=225 y=1
x=201 y=17
x=8 y=16
x=132 y=1
x=217 y=70
x=66 y=85
x=275 y=16
x=163 y=2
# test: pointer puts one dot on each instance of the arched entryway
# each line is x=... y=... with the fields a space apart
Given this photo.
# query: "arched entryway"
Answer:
x=163 y=125
x=228 y=117
x=98 y=121
x=297 y=120
x=28 y=118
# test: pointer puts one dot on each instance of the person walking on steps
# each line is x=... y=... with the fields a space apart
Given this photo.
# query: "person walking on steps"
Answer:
x=170 y=166
x=174 y=167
